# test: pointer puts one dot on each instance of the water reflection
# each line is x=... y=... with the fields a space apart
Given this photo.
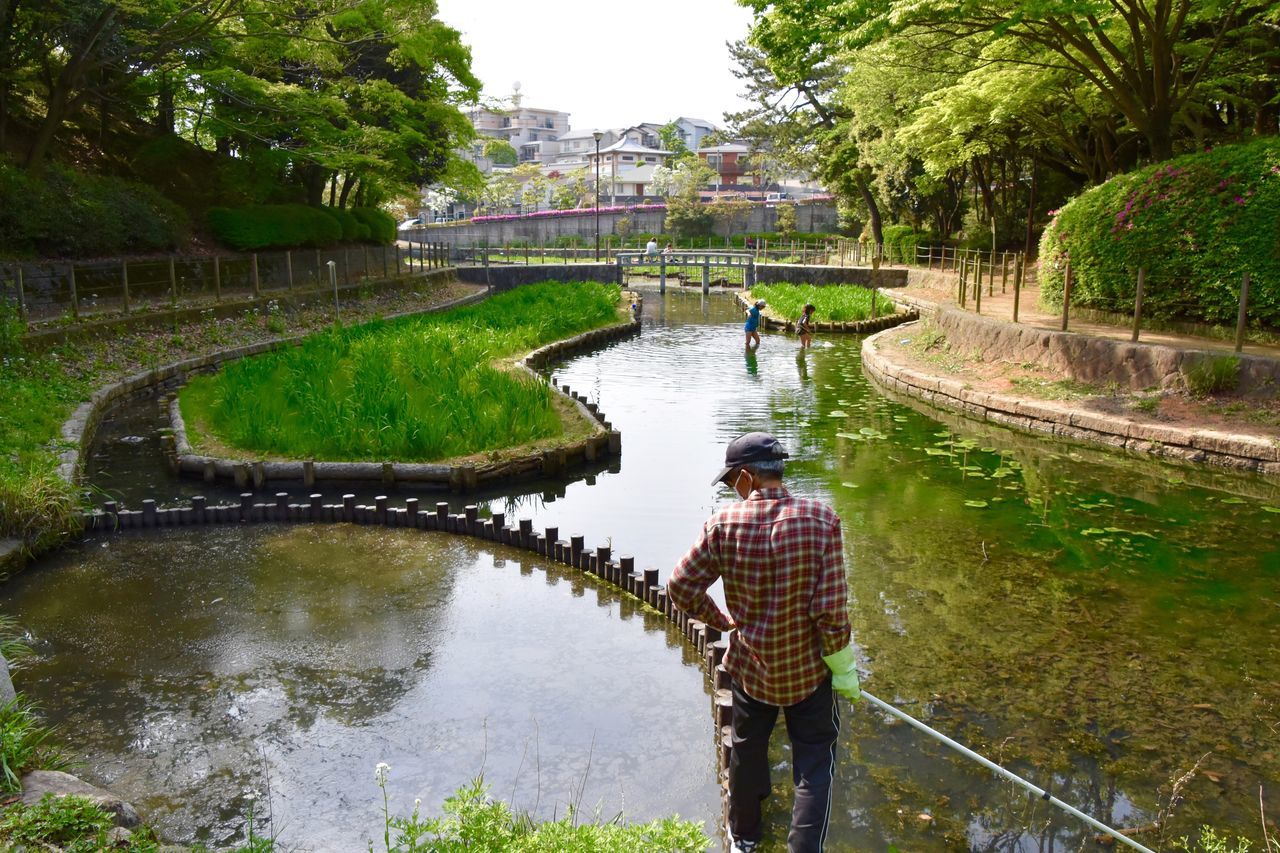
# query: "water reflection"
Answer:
x=1061 y=608
x=1095 y=620
x=187 y=668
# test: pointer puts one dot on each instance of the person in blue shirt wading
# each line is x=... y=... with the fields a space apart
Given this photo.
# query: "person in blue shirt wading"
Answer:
x=753 y=324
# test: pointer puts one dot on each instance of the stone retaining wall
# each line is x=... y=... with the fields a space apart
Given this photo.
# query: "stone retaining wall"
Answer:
x=502 y=278
x=827 y=275
x=1096 y=360
x=818 y=216
x=855 y=327
x=604 y=442
x=1208 y=446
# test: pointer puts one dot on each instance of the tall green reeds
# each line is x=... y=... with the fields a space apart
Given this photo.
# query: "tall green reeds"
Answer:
x=416 y=389
x=834 y=303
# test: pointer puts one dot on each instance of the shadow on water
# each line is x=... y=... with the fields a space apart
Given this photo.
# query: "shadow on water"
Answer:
x=1095 y=621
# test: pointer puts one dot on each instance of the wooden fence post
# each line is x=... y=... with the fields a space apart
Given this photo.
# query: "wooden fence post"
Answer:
x=173 y=286
x=124 y=284
x=399 y=263
x=217 y=279
x=1137 y=303
x=257 y=287
x=1020 y=264
x=1004 y=271
x=977 y=291
x=75 y=301
x=963 y=282
x=1243 y=316
x=1066 y=296
x=22 y=297
x=288 y=266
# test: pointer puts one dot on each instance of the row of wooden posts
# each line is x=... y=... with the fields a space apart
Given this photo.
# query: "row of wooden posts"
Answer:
x=970 y=270
x=428 y=256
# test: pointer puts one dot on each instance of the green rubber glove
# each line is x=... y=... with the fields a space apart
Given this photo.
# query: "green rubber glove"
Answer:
x=844 y=673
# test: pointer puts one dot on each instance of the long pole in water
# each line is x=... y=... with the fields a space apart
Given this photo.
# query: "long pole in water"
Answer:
x=1012 y=777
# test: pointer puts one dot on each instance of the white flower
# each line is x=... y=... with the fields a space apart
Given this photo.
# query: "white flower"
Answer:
x=380 y=772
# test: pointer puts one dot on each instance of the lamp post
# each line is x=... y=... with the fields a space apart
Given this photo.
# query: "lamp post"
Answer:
x=597 y=135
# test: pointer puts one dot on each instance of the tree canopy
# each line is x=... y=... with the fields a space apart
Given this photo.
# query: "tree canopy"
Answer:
x=286 y=99
x=951 y=114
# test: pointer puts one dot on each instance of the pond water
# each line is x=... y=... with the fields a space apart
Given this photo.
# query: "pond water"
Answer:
x=193 y=669
x=1097 y=622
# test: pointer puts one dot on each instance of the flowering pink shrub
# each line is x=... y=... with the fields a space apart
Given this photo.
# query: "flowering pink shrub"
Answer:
x=1195 y=223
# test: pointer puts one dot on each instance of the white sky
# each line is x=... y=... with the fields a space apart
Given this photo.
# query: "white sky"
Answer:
x=607 y=64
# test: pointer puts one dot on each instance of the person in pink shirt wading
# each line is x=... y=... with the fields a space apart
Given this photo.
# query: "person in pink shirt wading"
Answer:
x=781 y=560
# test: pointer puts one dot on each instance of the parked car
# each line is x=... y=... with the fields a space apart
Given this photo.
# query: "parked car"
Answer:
x=774 y=198
x=409 y=223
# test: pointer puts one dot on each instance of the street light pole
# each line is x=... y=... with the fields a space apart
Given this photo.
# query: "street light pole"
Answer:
x=597 y=135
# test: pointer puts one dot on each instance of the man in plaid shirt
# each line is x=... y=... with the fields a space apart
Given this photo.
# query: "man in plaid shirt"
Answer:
x=782 y=563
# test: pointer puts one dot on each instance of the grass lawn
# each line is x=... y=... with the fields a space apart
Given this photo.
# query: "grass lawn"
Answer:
x=412 y=390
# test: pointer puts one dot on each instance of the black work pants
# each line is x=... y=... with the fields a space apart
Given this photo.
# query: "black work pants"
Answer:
x=812 y=726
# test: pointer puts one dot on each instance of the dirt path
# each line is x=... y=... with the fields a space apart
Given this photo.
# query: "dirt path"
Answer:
x=941 y=287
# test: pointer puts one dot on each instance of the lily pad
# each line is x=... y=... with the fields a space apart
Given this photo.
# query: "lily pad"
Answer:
x=976 y=504
x=837 y=413
x=1275 y=509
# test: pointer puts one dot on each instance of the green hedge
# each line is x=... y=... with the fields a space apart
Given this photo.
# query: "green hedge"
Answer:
x=283 y=226
x=1196 y=223
x=900 y=242
x=272 y=226
x=66 y=213
x=352 y=228
x=381 y=225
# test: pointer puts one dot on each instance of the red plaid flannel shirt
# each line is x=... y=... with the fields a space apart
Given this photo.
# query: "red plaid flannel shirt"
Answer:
x=782 y=563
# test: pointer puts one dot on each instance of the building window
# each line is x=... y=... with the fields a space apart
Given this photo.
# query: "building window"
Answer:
x=651 y=159
x=627 y=157
x=714 y=160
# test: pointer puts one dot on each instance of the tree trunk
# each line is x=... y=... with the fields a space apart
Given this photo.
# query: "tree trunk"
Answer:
x=333 y=189
x=164 y=105
x=61 y=89
x=313 y=183
x=873 y=209
x=348 y=184
x=1031 y=209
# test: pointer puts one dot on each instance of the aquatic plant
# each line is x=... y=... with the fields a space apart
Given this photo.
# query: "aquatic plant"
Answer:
x=24 y=744
x=835 y=304
x=415 y=389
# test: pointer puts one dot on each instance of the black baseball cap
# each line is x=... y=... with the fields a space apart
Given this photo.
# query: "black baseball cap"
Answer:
x=745 y=449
